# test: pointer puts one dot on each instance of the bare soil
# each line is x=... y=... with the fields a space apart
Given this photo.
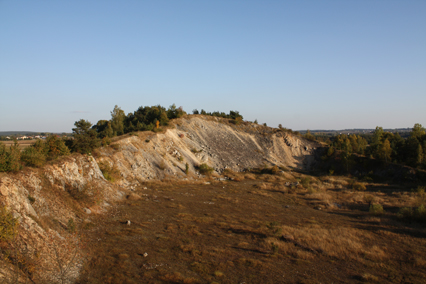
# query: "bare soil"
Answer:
x=253 y=229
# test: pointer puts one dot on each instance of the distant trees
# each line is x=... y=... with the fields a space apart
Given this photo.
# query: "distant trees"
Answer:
x=385 y=146
x=233 y=114
x=308 y=134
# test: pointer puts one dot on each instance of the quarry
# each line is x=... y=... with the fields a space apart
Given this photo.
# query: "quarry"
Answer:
x=143 y=210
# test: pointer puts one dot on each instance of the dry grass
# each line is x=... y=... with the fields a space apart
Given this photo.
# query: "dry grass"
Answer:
x=341 y=243
x=247 y=230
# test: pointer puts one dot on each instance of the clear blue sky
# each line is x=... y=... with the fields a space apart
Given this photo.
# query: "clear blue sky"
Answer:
x=305 y=64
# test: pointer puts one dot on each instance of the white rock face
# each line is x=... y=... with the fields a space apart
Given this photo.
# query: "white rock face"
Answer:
x=37 y=197
x=218 y=144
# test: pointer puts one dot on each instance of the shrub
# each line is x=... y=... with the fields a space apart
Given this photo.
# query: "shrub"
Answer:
x=305 y=182
x=162 y=165
x=408 y=213
x=405 y=213
x=275 y=170
x=8 y=225
x=54 y=147
x=420 y=213
x=33 y=157
x=10 y=159
x=71 y=225
x=110 y=173
x=376 y=209
x=358 y=186
x=369 y=199
x=186 y=168
x=205 y=169
x=31 y=199
x=116 y=146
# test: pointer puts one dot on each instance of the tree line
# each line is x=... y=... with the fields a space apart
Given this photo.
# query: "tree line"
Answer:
x=384 y=146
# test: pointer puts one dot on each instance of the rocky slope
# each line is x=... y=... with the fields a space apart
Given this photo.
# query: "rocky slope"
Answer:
x=49 y=201
x=213 y=141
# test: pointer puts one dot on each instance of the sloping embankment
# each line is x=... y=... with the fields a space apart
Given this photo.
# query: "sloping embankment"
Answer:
x=212 y=141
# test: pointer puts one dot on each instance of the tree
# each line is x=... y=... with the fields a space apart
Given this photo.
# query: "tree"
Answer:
x=104 y=128
x=309 y=135
x=145 y=118
x=174 y=112
x=33 y=157
x=418 y=131
x=346 y=153
x=10 y=158
x=235 y=114
x=376 y=142
x=55 y=147
x=419 y=155
x=362 y=144
x=385 y=151
x=85 y=137
x=411 y=152
x=117 y=121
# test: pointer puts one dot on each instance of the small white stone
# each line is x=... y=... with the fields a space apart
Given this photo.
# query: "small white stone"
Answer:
x=145 y=255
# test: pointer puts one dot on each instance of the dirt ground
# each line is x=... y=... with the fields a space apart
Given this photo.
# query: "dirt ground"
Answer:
x=254 y=229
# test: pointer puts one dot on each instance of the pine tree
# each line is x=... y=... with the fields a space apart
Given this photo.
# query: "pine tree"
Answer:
x=117 y=121
x=85 y=137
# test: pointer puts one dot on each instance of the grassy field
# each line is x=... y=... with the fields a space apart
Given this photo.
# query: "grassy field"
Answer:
x=22 y=143
x=257 y=229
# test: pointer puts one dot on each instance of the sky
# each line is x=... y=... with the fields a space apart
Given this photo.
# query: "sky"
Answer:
x=330 y=64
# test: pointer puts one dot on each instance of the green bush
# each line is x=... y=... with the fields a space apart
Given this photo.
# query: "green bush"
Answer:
x=358 y=186
x=8 y=225
x=31 y=199
x=71 y=225
x=420 y=213
x=376 y=209
x=205 y=169
x=33 y=157
x=110 y=173
x=407 y=213
x=10 y=158
x=305 y=182
x=369 y=199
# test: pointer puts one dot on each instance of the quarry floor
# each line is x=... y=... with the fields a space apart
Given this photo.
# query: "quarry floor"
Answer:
x=252 y=229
